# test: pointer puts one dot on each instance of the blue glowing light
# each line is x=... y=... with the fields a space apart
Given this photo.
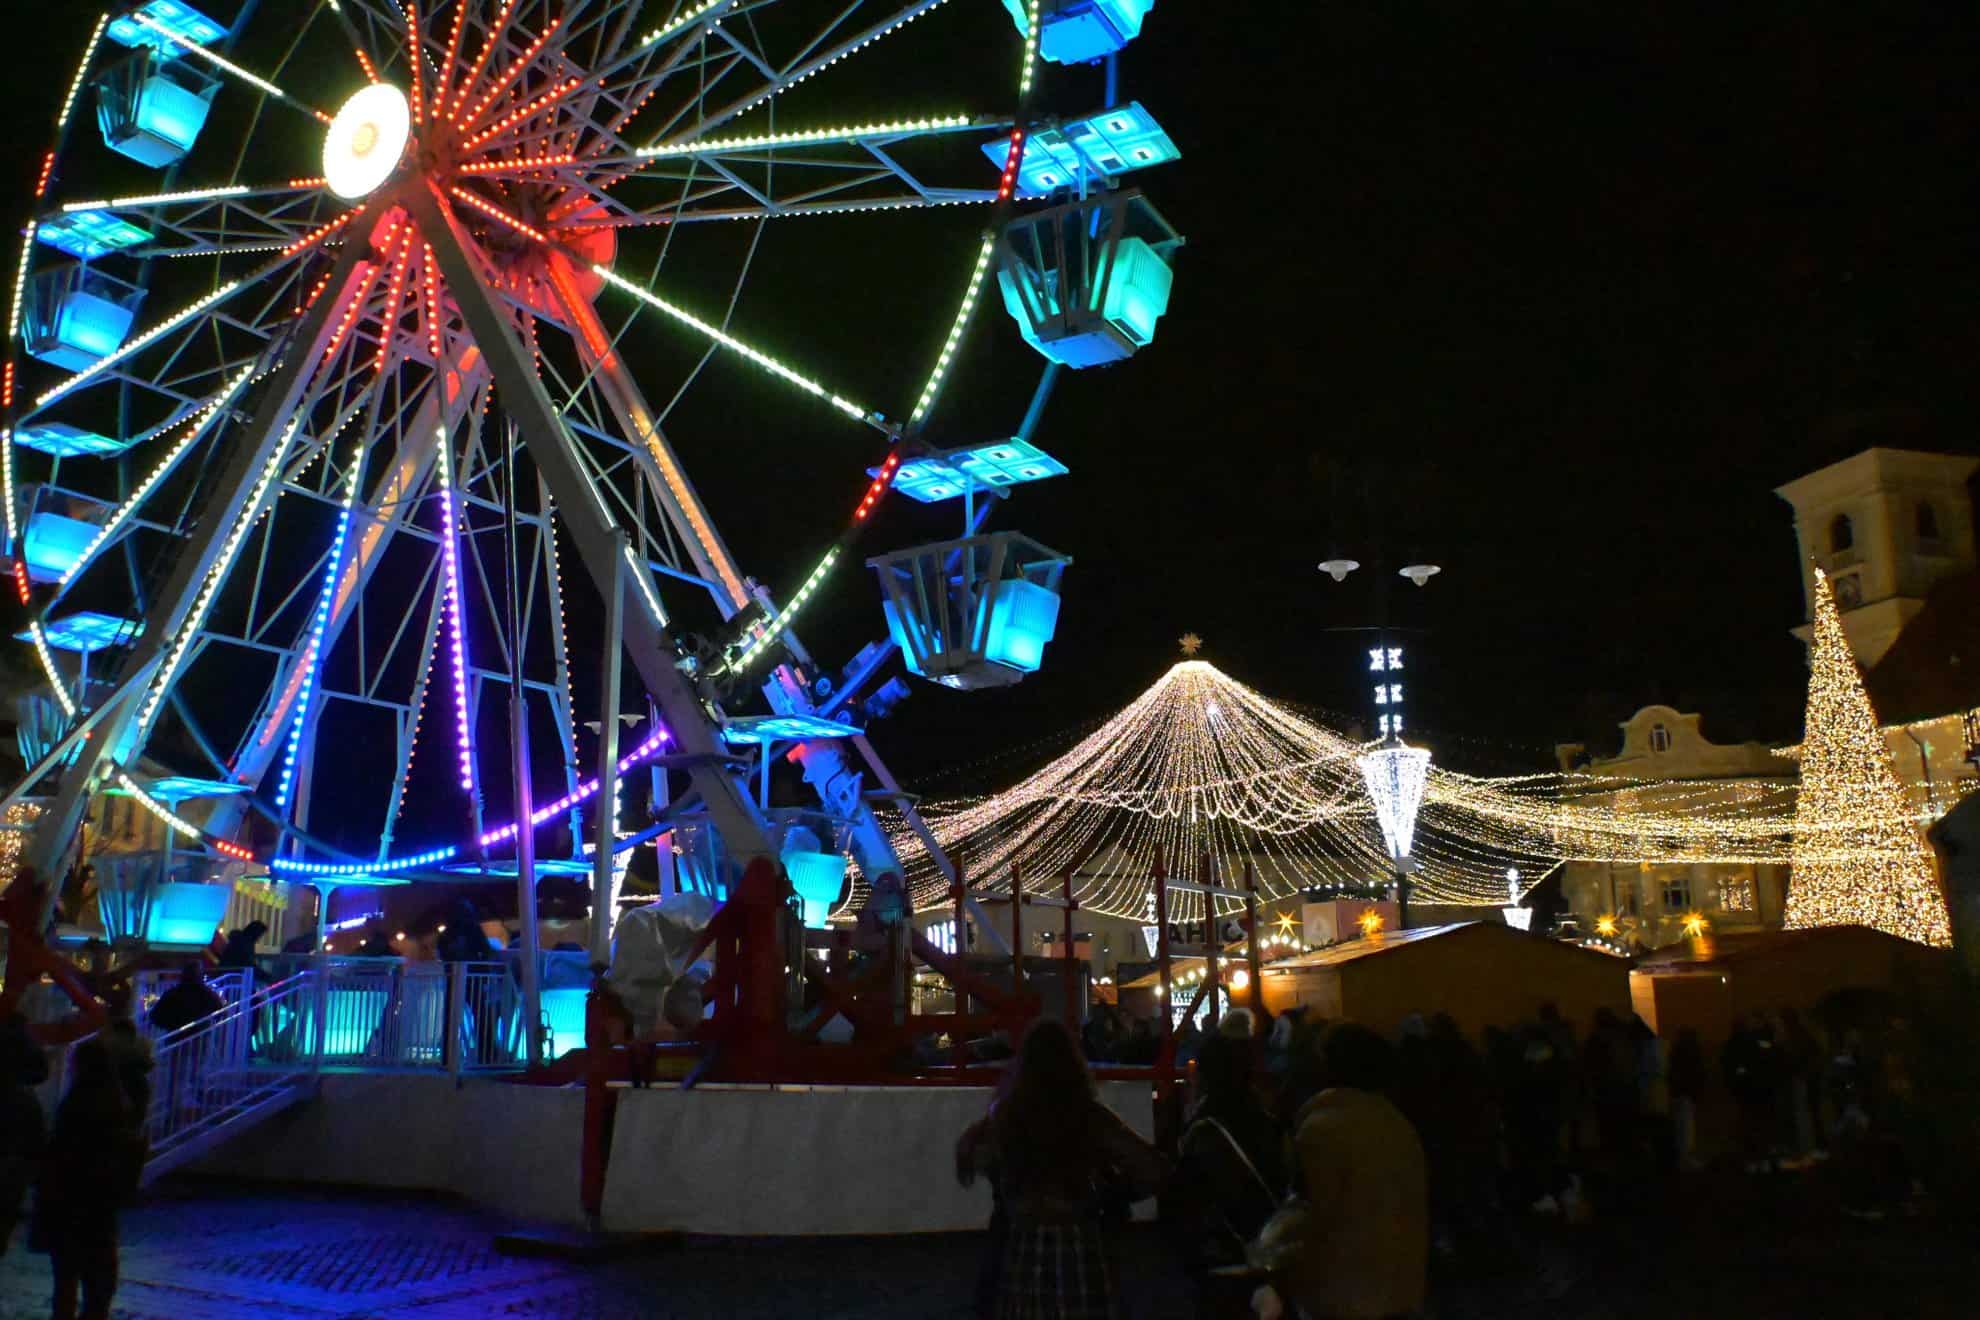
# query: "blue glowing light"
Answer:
x=55 y=544
x=785 y=728
x=1081 y=31
x=61 y=440
x=1023 y=617
x=181 y=20
x=945 y=474
x=817 y=878
x=1138 y=293
x=186 y=913
x=363 y=872
x=151 y=109
x=312 y=658
x=87 y=631
x=75 y=315
x=90 y=234
x=1100 y=146
x=563 y=1013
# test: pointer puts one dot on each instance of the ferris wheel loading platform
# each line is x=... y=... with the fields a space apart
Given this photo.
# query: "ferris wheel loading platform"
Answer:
x=719 y=1159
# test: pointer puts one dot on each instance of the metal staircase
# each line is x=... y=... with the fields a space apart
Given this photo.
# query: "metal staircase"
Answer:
x=220 y=1076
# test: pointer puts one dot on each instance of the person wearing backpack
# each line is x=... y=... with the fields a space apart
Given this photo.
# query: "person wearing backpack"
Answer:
x=1230 y=1174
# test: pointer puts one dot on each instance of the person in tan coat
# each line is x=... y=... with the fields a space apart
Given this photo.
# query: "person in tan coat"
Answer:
x=1361 y=1245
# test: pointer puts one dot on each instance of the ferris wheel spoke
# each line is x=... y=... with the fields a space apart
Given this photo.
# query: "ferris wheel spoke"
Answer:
x=222 y=293
x=824 y=50
x=757 y=356
x=596 y=538
x=201 y=222
x=197 y=429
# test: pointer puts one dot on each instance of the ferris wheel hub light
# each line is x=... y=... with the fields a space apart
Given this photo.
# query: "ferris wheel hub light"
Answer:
x=365 y=140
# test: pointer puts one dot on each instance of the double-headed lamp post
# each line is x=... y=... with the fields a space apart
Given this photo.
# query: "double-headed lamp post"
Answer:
x=1394 y=772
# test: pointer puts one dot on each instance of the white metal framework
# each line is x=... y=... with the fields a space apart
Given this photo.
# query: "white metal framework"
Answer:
x=362 y=428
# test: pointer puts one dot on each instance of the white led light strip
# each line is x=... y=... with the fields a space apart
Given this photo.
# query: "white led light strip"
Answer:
x=157 y=199
x=178 y=823
x=949 y=345
x=210 y=589
x=217 y=60
x=194 y=430
x=730 y=342
x=809 y=137
x=685 y=21
x=644 y=578
x=7 y=481
x=75 y=86
x=20 y=281
x=778 y=626
x=103 y=364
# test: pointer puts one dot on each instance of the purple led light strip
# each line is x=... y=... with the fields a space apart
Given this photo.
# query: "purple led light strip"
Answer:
x=578 y=794
x=457 y=635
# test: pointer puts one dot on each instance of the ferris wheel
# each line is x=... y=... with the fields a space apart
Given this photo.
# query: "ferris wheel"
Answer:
x=331 y=381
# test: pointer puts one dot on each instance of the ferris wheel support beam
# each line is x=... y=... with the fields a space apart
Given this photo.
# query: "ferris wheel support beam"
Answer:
x=55 y=830
x=679 y=500
x=550 y=446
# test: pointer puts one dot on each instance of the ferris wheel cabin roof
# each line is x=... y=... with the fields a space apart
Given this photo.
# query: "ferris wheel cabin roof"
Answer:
x=1102 y=145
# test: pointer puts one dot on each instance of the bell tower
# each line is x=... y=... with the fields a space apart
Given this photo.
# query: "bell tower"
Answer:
x=1886 y=525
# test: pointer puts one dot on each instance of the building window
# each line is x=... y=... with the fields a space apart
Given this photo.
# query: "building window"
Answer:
x=1677 y=892
x=1660 y=738
x=1928 y=523
x=1842 y=534
x=1736 y=893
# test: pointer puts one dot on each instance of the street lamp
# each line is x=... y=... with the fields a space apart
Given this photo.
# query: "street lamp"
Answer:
x=1394 y=773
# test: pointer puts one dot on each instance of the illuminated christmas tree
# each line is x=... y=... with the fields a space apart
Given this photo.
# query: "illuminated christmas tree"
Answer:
x=1858 y=858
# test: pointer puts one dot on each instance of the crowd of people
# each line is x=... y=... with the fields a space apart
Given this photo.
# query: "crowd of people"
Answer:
x=1321 y=1168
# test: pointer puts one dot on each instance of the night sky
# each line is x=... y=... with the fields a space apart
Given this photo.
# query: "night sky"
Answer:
x=1550 y=294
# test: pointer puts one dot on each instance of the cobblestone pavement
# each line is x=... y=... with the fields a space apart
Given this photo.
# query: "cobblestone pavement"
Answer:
x=229 y=1251
x=226 y=1251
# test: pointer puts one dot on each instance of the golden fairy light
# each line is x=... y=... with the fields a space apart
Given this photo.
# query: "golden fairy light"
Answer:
x=1850 y=794
x=1216 y=777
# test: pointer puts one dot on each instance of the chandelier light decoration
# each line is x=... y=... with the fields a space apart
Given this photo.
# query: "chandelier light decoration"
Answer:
x=1396 y=775
x=1216 y=776
x=1888 y=881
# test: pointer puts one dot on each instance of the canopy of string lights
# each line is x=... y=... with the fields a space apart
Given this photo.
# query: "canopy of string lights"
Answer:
x=1213 y=777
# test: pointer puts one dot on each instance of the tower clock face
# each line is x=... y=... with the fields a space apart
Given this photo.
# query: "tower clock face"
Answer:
x=1849 y=592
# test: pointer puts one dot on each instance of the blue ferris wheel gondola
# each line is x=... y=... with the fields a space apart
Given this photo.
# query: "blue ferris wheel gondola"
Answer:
x=74 y=316
x=151 y=108
x=1081 y=31
x=1087 y=281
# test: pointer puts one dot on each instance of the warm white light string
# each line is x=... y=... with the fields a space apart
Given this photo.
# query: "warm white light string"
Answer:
x=1201 y=766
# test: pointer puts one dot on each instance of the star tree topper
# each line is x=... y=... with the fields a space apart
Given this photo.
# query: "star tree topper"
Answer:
x=1190 y=643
